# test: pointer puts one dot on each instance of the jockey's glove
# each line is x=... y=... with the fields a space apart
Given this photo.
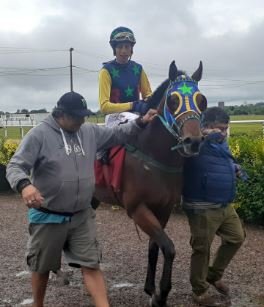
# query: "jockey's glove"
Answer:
x=140 y=106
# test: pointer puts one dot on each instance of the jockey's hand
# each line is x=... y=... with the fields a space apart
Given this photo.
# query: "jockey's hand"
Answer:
x=32 y=197
x=140 y=106
x=149 y=116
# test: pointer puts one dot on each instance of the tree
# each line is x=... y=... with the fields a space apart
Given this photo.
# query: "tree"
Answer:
x=253 y=109
x=38 y=111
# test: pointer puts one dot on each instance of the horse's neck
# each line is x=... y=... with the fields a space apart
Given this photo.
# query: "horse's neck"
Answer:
x=155 y=141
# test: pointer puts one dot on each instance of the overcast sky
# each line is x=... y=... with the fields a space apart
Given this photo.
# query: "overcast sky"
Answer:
x=36 y=35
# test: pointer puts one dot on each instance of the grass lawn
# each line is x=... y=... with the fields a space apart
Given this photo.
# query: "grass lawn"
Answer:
x=15 y=132
x=247 y=117
x=96 y=119
x=251 y=129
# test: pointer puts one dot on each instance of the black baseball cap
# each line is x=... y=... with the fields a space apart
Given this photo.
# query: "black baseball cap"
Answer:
x=74 y=104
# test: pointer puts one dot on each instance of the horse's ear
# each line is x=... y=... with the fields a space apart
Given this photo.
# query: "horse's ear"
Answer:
x=197 y=75
x=173 y=71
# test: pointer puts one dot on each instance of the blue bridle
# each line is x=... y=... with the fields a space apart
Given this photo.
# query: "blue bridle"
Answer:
x=186 y=89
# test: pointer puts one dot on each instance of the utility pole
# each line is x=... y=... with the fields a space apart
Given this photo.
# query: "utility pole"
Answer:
x=71 y=50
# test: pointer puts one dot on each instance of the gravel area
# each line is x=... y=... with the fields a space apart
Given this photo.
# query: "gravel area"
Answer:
x=124 y=263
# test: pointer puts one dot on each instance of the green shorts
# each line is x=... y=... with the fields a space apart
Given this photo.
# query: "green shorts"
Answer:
x=76 y=238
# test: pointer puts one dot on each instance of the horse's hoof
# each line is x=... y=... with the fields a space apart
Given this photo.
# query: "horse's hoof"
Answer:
x=153 y=302
x=149 y=291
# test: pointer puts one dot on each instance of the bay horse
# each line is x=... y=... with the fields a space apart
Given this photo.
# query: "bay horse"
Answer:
x=153 y=169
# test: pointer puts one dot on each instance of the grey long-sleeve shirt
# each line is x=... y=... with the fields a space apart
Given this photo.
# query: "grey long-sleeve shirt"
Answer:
x=61 y=165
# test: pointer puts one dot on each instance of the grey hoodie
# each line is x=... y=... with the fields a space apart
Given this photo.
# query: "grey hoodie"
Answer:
x=61 y=165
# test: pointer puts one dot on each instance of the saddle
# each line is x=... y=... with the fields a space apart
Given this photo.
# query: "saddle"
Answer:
x=108 y=171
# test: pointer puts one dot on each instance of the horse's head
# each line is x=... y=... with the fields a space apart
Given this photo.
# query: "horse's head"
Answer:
x=180 y=108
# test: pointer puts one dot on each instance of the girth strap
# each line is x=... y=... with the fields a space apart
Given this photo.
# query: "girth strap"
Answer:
x=135 y=152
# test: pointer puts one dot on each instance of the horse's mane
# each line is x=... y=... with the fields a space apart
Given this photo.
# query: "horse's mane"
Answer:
x=157 y=95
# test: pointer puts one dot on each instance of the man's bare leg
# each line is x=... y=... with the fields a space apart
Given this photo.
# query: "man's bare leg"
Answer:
x=95 y=284
x=39 y=285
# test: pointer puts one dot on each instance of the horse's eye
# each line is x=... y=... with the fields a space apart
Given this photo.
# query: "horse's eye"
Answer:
x=173 y=102
x=201 y=102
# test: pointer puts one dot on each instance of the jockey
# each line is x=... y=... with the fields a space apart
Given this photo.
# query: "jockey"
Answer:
x=121 y=81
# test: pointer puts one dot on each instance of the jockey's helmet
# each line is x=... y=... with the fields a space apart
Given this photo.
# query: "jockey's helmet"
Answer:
x=121 y=35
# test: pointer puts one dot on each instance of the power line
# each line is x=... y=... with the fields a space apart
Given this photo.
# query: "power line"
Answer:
x=53 y=71
x=87 y=69
x=24 y=68
x=212 y=83
x=17 y=71
x=11 y=50
x=153 y=66
x=86 y=53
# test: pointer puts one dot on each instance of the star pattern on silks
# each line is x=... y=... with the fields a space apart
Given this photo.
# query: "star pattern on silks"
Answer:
x=185 y=89
x=136 y=70
x=129 y=91
x=115 y=73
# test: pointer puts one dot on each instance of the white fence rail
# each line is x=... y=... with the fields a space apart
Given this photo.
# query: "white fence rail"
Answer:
x=248 y=121
x=21 y=128
x=22 y=125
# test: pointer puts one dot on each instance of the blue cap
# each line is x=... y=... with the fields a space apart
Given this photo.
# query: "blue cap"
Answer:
x=74 y=104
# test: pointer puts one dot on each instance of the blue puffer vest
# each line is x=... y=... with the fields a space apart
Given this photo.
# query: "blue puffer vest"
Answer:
x=210 y=176
x=125 y=80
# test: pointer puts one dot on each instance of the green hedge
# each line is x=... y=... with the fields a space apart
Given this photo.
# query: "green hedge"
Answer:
x=249 y=201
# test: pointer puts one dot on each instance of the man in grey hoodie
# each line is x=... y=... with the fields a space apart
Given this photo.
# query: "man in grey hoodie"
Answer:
x=53 y=169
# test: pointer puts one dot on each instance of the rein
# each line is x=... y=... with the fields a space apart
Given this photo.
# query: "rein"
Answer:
x=169 y=127
x=179 y=127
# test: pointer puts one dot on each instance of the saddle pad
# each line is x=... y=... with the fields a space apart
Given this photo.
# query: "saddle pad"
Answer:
x=110 y=175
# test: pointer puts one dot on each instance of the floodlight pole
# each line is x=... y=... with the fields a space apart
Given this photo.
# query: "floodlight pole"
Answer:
x=71 y=50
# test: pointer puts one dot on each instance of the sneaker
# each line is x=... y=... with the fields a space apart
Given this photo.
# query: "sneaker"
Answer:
x=115 y=207
x=221 y=287
x=206 y=299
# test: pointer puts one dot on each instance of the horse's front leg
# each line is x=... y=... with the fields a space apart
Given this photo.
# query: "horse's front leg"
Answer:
x=149 y=223
x=153 y=253
x=168 y=250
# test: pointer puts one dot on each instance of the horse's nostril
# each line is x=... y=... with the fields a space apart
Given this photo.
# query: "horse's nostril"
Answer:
x=187 y=141
x=195 y=147
x=192 y=145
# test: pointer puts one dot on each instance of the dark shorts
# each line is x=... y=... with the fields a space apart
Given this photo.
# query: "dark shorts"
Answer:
x=76 y=238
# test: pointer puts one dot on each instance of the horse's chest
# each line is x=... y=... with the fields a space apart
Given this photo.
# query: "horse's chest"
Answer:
x=167 y=186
